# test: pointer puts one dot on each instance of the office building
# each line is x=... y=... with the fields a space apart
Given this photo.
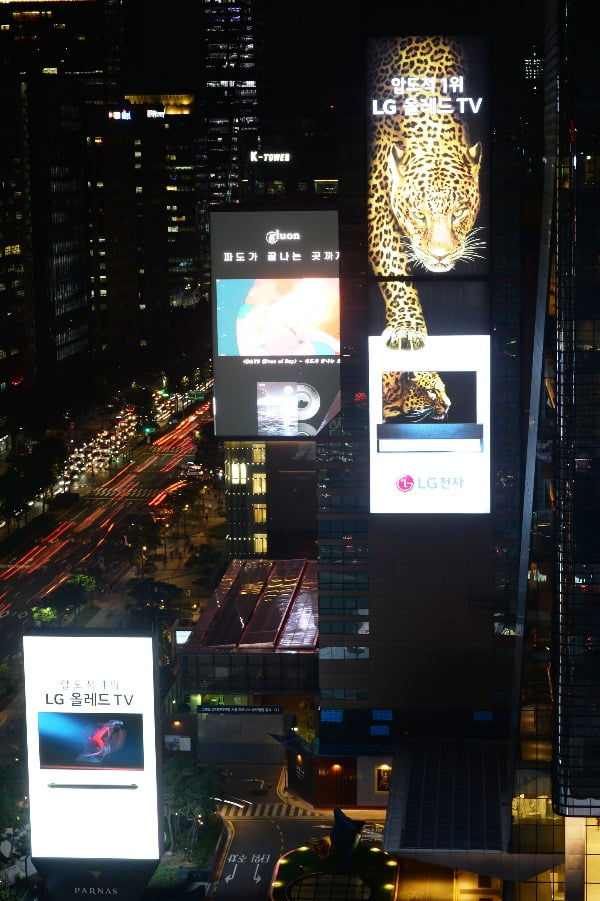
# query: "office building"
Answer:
x=444 y=658
x=52 y=56
x=572 y=346
x=146 y=307
x=110 y=273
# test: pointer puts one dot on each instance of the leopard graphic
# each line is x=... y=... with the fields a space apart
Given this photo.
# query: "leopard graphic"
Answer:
x=424 y=194
x=414 y=396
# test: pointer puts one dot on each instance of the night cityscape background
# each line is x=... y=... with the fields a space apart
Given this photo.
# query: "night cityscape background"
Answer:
x=301 y=377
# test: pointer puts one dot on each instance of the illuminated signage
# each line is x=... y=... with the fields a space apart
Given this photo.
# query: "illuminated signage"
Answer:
x=428 y=247
x=92 y=747
x=275 y=286
x=259 y=156
x=429 y=466
x=124 y=115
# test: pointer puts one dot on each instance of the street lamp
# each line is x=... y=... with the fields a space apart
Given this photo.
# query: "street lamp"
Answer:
x=143 y=553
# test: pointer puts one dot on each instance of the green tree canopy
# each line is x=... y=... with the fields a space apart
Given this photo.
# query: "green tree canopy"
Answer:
x=189 y=794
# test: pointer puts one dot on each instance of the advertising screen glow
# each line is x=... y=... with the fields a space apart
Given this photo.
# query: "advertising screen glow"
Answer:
x=428 y=247
x=93 y=780
x=276 y=296
x=423 y=465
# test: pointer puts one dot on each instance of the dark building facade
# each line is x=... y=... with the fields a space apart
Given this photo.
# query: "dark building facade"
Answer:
x=140 y=158
x=437 y=655
x=574 y=280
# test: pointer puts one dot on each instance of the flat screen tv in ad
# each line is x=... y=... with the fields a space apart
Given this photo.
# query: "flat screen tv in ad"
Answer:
x=276 y=293
x=425 y=459
x=91 y=713
x=85 y=741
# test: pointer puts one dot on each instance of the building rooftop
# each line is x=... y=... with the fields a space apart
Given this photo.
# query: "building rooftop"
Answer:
x=260 y=605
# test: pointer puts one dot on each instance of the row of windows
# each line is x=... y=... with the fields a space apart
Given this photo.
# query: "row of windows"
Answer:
x=344 y=605
x=343 y=653
x=345 y=502
x=343 y=628
x=344 y=694
x=342 y=528
x=341 y=555
x=347 y=579
x=333 y=715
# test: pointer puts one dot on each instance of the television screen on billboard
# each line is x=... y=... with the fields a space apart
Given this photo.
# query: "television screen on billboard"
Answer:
x=92 y=751
x=424 y=460
x=276 y=294
x=429 y=265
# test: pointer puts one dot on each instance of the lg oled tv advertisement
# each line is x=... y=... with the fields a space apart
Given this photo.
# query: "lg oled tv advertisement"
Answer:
x=276 y=294
x=92 y=747
x=429 y=261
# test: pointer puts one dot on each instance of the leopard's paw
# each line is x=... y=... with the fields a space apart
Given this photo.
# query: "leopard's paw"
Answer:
x=398 y=338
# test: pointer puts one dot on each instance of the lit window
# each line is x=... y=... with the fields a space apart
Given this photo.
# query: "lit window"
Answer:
x=258 y=453
x=260 y=543
x=239 y=474
x=380 y=730
x=260 y=513
x=332 y=716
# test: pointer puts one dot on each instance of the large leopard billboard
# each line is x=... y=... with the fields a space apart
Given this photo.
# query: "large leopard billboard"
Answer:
x=429 y=268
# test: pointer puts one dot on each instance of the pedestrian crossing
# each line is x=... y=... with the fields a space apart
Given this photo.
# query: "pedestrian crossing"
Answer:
x=230 y=811
x=141 y=494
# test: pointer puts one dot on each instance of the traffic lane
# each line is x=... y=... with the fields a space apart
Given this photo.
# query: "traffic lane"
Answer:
x=252 y=783
x=254 y=849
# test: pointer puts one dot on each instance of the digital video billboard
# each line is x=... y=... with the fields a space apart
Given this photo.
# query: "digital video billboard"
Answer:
x=92 y=751
x=276 y=297
x=429 y=261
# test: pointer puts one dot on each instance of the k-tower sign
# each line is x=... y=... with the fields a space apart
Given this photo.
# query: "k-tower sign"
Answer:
x=428 y=244
x=276 y=295
x=91 y=711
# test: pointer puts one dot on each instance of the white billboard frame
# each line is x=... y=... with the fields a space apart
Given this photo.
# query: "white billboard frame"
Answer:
x=276 y=322
x=433 y=469
x=93 y=749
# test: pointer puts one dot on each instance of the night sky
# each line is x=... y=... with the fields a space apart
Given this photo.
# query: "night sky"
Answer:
x=311 y=43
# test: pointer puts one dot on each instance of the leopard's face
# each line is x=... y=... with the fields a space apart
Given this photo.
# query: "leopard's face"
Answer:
x=434 y=197
x=424 y=192
x=414 y=396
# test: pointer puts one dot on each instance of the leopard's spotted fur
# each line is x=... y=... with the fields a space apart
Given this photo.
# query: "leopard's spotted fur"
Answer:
x=424 y=193
x=414 y=396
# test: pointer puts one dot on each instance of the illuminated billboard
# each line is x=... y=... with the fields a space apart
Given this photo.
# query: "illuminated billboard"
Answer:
x=276 y=297
x=92 y=752
x=427 y=465
x=428 y=246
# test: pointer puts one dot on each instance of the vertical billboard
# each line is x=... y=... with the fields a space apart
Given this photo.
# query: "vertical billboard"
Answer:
x=91 y=718
x=428 y=245
x=276 y=313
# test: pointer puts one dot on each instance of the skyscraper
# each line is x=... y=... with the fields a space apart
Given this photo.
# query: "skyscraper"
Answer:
x=573 y=283
x=52 y=56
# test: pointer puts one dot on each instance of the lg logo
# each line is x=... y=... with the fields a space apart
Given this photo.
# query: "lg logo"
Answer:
x=405 y=483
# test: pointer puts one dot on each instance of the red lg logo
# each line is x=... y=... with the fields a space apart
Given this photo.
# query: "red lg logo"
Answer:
x=405 y=483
